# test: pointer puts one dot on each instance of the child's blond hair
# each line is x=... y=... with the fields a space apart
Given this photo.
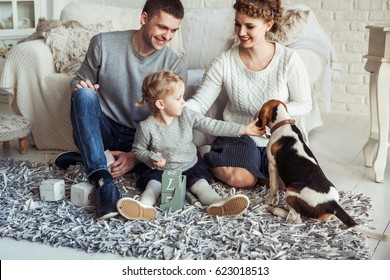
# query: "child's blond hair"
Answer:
x=158 y=85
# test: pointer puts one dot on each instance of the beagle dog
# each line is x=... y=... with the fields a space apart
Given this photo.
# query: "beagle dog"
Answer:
x=308 y=191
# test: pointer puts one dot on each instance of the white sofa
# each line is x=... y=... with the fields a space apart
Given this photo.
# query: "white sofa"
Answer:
x=42 y=94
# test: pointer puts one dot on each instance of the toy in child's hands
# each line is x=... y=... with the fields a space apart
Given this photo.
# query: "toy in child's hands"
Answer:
x=154 y=156
x=173 y=190
x=158 y=160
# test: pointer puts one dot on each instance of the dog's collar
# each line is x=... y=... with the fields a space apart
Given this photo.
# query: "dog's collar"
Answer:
x=281 y=123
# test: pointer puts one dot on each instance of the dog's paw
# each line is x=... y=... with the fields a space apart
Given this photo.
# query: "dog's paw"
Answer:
x=294 y=217
x=273 y=200
x=279 y=212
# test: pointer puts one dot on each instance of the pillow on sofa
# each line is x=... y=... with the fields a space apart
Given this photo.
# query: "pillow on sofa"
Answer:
x=69 y=45
x=205 y=34
x=44 y=25
x=293 y=22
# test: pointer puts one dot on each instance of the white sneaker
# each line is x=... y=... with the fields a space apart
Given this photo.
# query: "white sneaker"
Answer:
x=134 y=210
x=232 y=206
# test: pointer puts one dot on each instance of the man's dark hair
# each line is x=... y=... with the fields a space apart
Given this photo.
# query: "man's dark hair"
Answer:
x=173 y=7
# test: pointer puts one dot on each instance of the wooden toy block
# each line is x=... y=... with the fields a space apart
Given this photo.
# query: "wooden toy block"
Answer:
x=52 y=189
x=191 y=198
x=173 y=190
x=109 y=157
x=82 y=194
x=154 y=156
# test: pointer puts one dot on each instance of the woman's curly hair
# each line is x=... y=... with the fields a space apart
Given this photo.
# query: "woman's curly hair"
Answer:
x=266 y=9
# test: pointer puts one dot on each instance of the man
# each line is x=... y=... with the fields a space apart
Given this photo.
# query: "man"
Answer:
x=104 y=92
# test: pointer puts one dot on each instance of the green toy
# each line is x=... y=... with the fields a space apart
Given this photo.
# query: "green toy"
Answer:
x=173 y=190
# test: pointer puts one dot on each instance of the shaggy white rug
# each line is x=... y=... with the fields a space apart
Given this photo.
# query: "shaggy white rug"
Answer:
x=186 y=234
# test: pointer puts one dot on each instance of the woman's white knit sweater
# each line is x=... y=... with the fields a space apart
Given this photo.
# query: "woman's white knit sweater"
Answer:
x=285 y=78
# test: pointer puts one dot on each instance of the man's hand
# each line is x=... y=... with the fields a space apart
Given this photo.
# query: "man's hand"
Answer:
x=124 y=163
x=85 y=84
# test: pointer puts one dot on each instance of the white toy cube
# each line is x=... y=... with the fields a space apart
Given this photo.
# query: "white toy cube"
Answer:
x=82 y=194
x=109 y=157
x=52 y=189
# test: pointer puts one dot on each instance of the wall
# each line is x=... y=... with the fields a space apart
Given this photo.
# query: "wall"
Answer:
x=343 y=20
x=58 y=4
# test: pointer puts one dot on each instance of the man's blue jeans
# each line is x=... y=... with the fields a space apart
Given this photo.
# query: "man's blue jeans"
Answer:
x=94 y=133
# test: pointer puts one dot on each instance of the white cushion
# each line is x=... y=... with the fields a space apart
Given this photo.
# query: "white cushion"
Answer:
x=206 y=33
x=121 y=18
x=69 y=45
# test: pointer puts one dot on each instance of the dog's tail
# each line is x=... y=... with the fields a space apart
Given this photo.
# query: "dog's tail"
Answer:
x=371 y=234
x=340 y=213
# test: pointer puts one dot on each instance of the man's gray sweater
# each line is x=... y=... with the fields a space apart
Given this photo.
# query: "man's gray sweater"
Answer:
x=113 y=63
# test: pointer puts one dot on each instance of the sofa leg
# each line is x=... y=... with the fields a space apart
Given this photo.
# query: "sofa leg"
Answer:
x=6 y=145
x=23 y=145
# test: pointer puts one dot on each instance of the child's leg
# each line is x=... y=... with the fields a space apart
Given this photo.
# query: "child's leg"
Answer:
x=151 y=194
x=219 y=206
x=205 y=193
x=143 y=209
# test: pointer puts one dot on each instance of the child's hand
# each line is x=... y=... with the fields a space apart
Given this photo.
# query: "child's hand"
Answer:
x=251 y=129
x=160 y=163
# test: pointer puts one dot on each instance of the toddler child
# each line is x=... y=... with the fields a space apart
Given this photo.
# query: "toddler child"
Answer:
x=168 y=132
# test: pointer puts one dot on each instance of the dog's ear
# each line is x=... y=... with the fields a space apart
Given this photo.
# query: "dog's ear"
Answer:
x=285 y=106
x=257 y=116
x=262 y=115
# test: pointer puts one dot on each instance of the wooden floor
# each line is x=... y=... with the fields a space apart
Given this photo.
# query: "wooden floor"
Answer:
x=338 y=147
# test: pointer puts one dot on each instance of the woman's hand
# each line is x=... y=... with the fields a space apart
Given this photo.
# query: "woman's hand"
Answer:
x=251 y=129
x=124 y=163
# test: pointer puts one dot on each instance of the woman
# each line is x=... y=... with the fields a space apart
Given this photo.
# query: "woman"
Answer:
x=253 y=72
